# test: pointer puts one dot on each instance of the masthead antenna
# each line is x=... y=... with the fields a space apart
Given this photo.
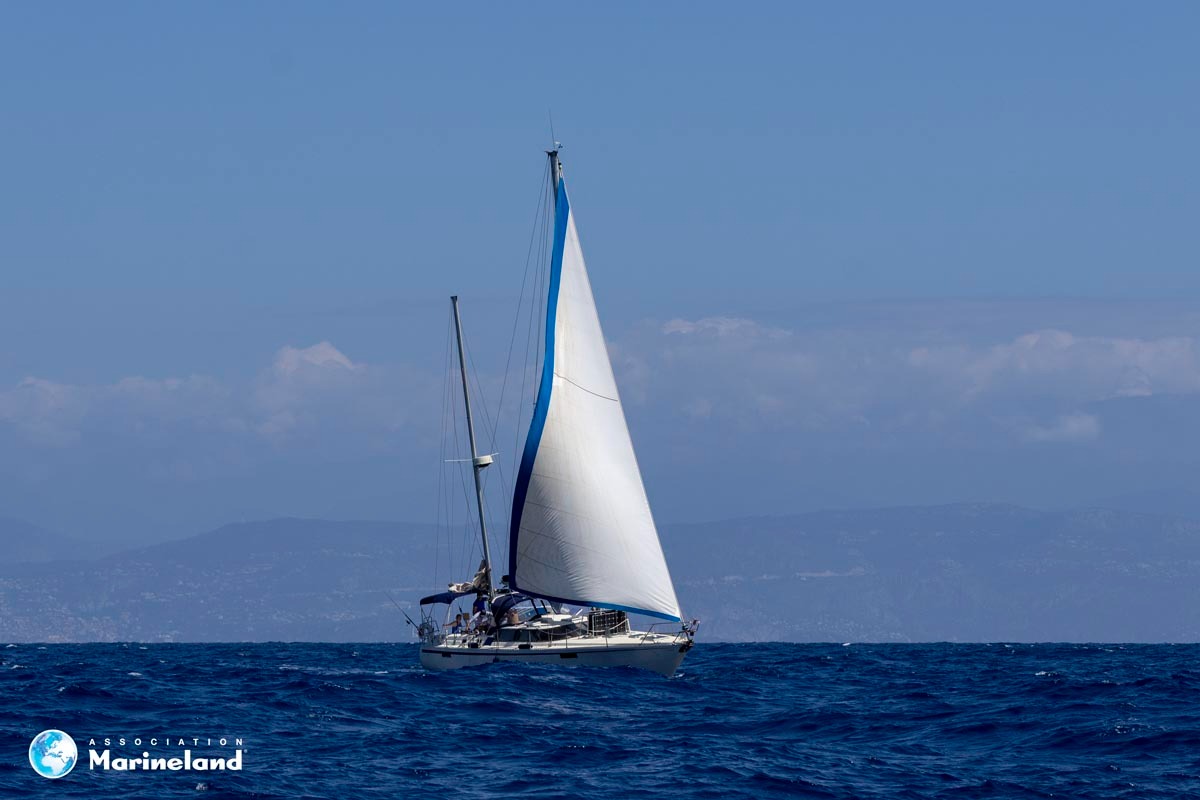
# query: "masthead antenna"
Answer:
x=555 y=171
x=555 y=164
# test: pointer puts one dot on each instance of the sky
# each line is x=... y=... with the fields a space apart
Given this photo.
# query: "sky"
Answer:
x=844 y=256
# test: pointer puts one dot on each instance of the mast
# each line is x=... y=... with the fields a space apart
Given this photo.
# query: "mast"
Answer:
x=478 y=463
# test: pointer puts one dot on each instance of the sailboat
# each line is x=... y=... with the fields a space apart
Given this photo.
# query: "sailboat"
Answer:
x=581 y=532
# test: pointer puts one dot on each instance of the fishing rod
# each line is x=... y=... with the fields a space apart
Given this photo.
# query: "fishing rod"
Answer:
x=401 y=610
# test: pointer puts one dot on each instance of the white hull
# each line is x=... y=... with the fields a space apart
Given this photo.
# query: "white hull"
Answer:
x=661 y=654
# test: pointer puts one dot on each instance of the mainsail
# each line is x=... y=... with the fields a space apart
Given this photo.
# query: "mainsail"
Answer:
x=582 y=531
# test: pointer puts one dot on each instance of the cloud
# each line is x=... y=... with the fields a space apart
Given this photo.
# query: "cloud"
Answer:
x=1067 y=428
x=753 y=374
x=303 y=390
x=724 y=327
x=47 y=413
x=304 y=385
x=323 y=355
x=731 y=413
x=728 y=368
x=1087 y=368
x=53 y=414
x=882 y=379
x=863 y=377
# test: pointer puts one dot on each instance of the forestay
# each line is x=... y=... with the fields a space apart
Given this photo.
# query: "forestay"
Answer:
x=582 y=531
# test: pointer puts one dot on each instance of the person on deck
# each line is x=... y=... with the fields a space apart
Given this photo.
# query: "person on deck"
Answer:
x=481 y=621
x=457 y=627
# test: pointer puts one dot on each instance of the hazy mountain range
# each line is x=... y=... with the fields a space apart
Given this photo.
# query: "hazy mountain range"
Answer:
x=970 y=572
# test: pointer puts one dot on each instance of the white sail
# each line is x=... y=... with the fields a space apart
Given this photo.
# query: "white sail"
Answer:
x=582 y=531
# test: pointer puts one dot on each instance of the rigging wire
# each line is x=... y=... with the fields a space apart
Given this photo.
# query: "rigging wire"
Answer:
x=536 y=256
x=458 y=449
x=471 y=547
x=539 y=319
x=534 y=326
x=512 y=339
x=473 y=374
x=488 y=423
x=452 y=445
x=443 y=506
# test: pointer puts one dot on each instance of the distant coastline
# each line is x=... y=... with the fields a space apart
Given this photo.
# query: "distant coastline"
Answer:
x=956 y=573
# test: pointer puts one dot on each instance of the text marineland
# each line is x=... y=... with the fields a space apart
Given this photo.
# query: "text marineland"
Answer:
x=185 y=762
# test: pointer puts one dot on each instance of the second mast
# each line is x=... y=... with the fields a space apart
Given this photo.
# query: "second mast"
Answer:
x=478 y=462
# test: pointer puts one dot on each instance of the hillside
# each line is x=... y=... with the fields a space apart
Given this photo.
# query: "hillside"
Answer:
x=974 y=572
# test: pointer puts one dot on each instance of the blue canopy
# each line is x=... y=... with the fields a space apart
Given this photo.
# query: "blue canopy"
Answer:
x=444 y=597
x=504 y=602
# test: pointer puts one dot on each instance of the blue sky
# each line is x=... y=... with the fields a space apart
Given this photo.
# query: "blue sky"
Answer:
x=818 y=237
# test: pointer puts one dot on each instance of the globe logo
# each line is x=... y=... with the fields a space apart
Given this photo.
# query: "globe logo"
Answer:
x=53 y=754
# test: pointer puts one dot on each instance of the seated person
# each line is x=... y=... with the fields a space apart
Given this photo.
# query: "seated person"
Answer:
x=481 y=621
x=458 y=626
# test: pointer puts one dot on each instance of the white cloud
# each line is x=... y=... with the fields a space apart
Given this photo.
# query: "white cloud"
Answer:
x=1056 y=362
x=726 y=327
x=879 y=379
x=1076 y=427
x=47 y=413
x=322 y=355
x=303 y=389
x=876 y=380
x=831 y=404
x=699 y=408
x=753 y=365
x=752 y=374
x=304 y=385
x=56 y=414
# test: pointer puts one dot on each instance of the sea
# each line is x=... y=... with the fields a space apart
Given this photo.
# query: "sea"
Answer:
x=737 y=721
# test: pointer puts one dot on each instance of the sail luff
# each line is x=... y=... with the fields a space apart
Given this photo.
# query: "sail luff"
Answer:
x=541 y=405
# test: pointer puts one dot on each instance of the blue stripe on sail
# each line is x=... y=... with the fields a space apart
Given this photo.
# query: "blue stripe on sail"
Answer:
x=561 y=212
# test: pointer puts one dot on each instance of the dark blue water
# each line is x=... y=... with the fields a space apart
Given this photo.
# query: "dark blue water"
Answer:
x=822 y=721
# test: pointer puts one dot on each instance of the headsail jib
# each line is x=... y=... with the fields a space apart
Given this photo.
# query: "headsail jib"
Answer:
x=582 y=531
